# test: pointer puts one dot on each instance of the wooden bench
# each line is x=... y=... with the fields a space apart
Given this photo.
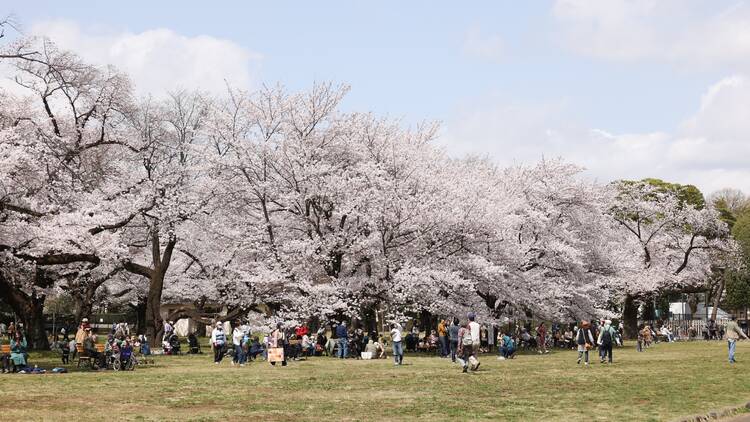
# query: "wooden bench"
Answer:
x=87 y=359
x=5 y=349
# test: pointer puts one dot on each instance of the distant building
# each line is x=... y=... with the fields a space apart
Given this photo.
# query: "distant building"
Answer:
x=681 y=310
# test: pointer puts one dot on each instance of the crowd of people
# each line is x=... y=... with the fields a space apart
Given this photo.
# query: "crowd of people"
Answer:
x=460 y=341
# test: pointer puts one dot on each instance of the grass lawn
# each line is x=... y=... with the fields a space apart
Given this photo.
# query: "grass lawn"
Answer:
x=663 y=383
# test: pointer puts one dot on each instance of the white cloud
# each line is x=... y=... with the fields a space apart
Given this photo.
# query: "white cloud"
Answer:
x=711 y=148
x=678 y=31
x=158 y=60
x=488 y=47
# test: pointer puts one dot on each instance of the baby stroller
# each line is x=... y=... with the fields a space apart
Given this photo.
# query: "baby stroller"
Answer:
x=174 y=344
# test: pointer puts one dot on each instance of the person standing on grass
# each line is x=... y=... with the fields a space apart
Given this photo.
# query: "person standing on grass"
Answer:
x=218 y=341
x=585 y=341
x=237 y=336
x=343 y=335
x=541 y=338
x=474 y=328
x=453 y=337
x=640 y=340
x=443 y=338
x=278 y=339
x=606 y=339
x=397 y=344
x=733 y=333
x=465 y=346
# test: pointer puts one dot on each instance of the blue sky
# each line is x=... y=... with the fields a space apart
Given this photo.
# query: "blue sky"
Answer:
x=511 y=80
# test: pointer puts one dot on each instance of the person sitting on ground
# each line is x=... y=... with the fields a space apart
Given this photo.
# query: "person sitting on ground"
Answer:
x=194 y=346
x=255 y=348
x=666 y=333
x=320 y=341
x=411 y=342
x=568 y=338
x=371 y=348
x=432 y=341
x=526 y=338
x=375 y=348
x=356 y=343
x=507 y=347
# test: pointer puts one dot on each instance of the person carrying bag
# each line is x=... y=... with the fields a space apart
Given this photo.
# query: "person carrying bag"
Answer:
x=276 y=349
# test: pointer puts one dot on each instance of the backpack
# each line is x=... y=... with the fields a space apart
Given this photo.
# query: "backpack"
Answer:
x=607 y=338
x=467 y=340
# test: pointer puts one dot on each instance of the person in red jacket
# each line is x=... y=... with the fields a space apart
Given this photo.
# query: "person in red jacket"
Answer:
x=301 y=331
x=541 y=338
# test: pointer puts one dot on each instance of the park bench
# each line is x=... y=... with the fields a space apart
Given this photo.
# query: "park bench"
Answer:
x=426 y=347
x=86 y=359
x=5 y=349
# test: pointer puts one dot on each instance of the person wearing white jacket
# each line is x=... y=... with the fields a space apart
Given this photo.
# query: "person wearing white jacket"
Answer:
x=237 y=336
x=398 y=347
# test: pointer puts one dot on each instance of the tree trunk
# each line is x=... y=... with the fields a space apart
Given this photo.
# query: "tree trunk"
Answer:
x=717 y=299
x=630 y=317
x=154 y=323
x=83 y=307
x=36 y=334
x=200 y=329
x=30 y=311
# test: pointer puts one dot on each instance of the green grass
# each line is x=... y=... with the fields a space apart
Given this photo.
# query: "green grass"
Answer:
x=663 y=383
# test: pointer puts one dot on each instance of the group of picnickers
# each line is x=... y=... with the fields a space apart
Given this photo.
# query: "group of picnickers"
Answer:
x=461 y=341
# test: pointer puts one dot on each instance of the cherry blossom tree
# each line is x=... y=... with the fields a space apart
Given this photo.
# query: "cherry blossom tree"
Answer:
x=668 y=233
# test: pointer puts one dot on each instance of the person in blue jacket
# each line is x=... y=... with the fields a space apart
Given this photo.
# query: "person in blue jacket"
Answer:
x=343 y=336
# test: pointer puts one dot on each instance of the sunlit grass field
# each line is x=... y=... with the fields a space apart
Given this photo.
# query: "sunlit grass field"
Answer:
x=663 y=383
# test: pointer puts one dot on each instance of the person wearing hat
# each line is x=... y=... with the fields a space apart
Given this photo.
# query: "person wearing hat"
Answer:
x=81 y=333
x=606 y=340
x=585 y=341
x=218 y=341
